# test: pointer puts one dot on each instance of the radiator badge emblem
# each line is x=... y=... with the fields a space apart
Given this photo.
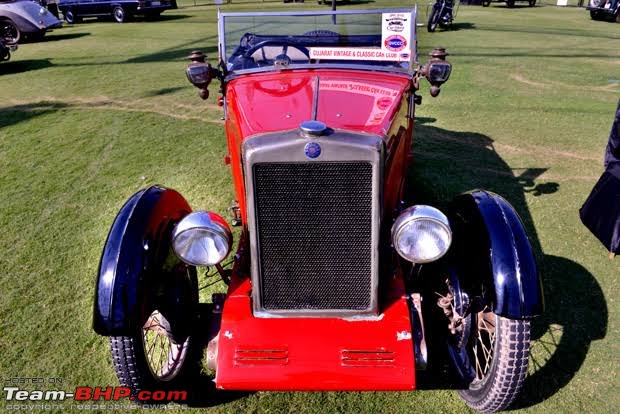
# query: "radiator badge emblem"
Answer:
x=312 y=149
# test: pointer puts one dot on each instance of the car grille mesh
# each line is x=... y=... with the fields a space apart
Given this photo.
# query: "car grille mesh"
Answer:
x=314 y=223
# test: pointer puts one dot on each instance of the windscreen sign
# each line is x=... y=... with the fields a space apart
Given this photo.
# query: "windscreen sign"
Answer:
x=395 y=43
x=396 y=34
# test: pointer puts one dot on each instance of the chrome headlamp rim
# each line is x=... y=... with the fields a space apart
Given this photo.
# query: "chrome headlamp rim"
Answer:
x=202 y=221
x=415 y=213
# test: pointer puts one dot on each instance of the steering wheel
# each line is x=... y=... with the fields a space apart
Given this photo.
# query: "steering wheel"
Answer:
x=285 y=45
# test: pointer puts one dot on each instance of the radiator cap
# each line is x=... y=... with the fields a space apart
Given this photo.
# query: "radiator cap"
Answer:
x=313 y=128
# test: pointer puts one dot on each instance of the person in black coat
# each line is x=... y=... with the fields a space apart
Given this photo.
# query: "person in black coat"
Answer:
x=613 y=147
x=601 y=211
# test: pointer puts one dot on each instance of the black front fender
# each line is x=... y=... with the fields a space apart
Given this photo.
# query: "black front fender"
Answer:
x=493 y=256
x=137 y=251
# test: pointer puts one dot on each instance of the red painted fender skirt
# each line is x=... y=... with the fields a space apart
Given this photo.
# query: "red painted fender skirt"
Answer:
x=314 y=353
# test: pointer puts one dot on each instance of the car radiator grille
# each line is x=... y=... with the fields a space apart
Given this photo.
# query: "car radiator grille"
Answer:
x=314 y=225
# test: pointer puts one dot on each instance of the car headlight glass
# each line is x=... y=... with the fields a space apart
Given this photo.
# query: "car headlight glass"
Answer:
x=421 y=234
x=202 y=239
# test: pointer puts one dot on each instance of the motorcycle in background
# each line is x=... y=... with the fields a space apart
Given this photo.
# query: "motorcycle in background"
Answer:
x=442 y=14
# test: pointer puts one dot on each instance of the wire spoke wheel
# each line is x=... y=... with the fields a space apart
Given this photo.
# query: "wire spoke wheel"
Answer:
x=163 y=355
x=498 y=351
x=158 y=354
x=482 y=348
x=490 y=352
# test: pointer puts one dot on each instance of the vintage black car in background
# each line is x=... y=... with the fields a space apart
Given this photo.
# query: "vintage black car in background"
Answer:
x=121 y=11
x=605 y=10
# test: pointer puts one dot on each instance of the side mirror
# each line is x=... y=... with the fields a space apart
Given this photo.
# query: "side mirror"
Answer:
x=437 y=70
x=200 y=73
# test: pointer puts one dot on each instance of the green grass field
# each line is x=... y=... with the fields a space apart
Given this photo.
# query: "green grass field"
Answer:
x=99 y=110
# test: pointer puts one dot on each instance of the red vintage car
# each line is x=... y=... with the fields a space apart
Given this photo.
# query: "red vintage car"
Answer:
x=331 y=268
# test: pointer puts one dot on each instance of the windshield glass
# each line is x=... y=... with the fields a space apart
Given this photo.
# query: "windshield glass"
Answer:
x=375 y=39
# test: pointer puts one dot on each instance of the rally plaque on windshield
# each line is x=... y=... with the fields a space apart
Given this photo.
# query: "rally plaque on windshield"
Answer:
x=395 y=43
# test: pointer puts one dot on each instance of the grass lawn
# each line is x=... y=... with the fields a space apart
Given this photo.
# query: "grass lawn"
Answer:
x=99 y=110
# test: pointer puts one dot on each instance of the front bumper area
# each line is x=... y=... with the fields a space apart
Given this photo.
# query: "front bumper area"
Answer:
x=314 y=354
x=54 y=26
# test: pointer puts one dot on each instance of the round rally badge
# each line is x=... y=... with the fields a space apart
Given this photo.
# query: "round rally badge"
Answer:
x=395 y=43
x=312 y=149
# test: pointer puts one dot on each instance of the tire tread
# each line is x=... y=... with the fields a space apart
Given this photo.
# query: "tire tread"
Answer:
x=509 y=371
x=127 y=363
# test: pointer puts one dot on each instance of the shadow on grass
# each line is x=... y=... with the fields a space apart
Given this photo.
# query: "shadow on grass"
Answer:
x=170 y=54
x=163 y=91
x=575 y=315
x=19 y=66
x=536 y=54
x=201 y=391
x=353 y=3
x=569 y=31
x=168 y=18
x=447 y=163
x=16 y=114
x=462 y=26
x=56 y=37
x=516 y=6
x=139 y=19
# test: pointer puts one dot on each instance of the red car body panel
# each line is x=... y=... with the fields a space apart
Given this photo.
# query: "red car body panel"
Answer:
x=375 y=103
x=318 y=353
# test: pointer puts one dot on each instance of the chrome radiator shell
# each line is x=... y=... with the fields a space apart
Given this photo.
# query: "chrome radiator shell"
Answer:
x=289 y=148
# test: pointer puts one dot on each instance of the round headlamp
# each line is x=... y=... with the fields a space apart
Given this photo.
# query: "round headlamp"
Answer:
x=421 y=234
x=202 y=239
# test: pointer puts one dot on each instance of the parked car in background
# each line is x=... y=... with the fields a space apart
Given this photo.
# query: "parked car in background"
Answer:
x=5 y=50
x=121 y=11
x=509 y=3
x=24 y=18
x=605 y=10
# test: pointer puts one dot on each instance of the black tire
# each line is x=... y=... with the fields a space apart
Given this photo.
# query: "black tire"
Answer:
x=510 y=3
x=618 y=17
x=433 y=20
x=119 y=15
x=9 y=32
x=445 y=24
x=69 y=17
x=130 y=354
x=486 y=3
x=532 y=3
x=503 y=380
